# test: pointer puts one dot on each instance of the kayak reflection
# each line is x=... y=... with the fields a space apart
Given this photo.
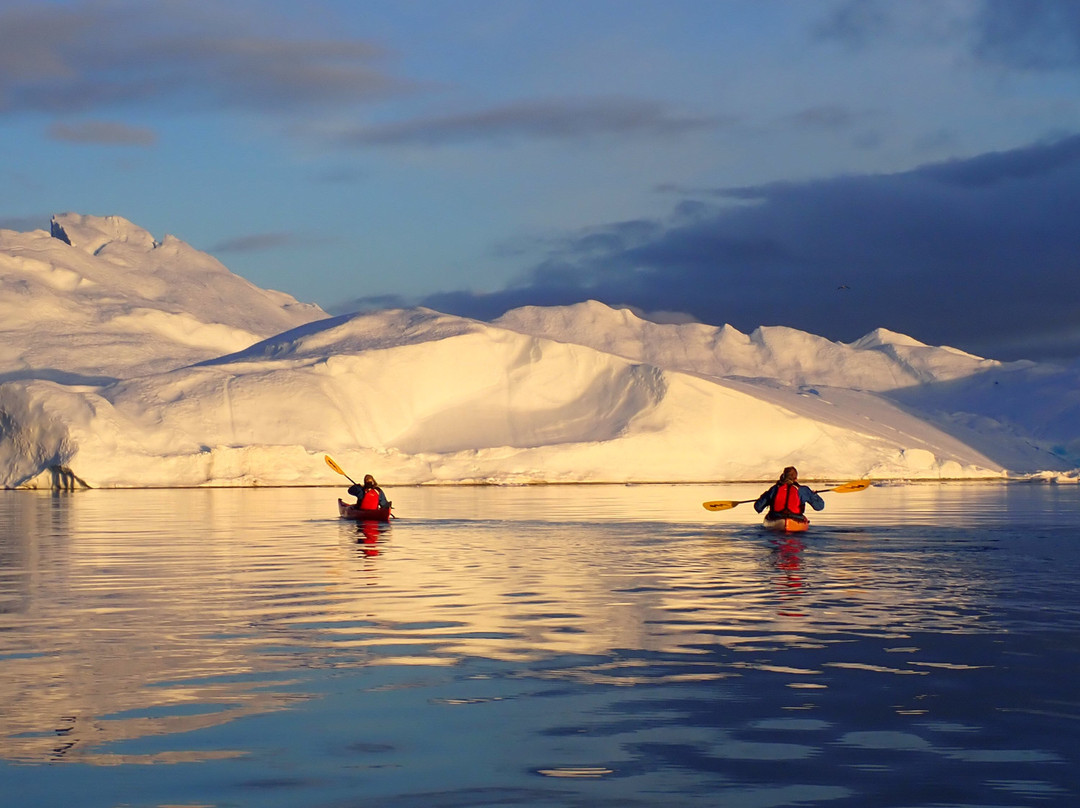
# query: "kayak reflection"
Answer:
x=368 y=536
x=785 y=556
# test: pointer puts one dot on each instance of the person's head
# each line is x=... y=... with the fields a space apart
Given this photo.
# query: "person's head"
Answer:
x=790 y=475
x=369 y=481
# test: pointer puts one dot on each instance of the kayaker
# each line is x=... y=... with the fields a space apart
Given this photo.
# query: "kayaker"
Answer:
x=369 y=496
x=787 y=497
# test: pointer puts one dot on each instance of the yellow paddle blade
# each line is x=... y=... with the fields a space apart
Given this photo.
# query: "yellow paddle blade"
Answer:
x=334 y=466
x=722 y=504
x=854 y=485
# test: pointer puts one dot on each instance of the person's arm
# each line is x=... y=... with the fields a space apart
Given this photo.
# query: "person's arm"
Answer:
x=383 y=501
x=765 y=500
x=810 y=498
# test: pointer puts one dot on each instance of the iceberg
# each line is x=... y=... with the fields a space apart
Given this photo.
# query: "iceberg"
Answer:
x=129 y=362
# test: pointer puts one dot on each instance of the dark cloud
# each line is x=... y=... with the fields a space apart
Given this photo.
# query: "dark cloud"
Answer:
x=981 y=254
x=89 y=57
x=1018 y=34
x=372 y=303
x=826 y=116
x=538 y=119
x=95 y=58
x=103 y=133
x=1032 y=35
x=855 y=22
x=998 y=168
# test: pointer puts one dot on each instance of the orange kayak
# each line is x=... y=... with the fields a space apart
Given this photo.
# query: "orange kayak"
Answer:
x=348 y=511
x=786 y=524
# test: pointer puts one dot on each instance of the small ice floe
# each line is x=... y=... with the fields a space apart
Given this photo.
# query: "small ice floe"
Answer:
x=1056 y=477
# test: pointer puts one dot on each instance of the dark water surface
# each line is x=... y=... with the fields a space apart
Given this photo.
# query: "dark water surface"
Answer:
x=542 y=646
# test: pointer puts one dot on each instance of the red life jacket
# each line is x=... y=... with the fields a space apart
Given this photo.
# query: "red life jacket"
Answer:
x=370 y=500
x=787 y=499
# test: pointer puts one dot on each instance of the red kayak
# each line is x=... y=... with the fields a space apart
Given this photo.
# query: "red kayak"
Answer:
x=786 y=524
x=348 y=511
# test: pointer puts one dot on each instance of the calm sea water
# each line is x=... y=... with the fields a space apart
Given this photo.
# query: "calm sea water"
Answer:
x=542 y=646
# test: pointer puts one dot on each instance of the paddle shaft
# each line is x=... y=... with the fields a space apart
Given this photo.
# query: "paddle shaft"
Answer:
x=845 y=488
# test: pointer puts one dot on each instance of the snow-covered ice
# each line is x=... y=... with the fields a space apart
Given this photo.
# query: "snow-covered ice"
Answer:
x=98 y=299
x=129 y=362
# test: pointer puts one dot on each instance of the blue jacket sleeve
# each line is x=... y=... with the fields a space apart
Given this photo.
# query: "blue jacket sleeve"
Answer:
x=810 y=498
x=765 y=500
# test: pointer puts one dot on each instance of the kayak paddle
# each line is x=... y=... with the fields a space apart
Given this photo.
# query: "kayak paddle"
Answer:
x=725 y=504
x=337 y=468
x=846 y=488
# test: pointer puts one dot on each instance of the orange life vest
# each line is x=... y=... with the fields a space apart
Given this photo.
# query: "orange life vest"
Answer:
x=787 y=499
x=370 y=500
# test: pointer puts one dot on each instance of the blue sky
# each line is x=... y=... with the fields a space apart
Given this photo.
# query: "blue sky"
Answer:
x=830 y=165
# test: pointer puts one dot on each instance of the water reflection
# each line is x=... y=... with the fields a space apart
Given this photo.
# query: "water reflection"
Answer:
x=785 y=556
x=369 y=535
x=545 y=631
